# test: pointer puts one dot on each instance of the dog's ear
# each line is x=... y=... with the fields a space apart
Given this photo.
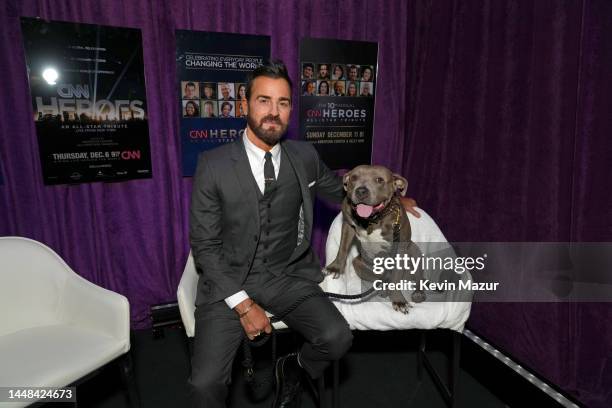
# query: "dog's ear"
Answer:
x=345 y=180
x=400 y=183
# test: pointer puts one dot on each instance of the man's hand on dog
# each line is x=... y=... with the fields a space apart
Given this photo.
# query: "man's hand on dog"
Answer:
x=253 y=318
x=409 y=205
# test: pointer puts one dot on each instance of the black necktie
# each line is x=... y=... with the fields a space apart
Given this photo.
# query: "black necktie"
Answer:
x=269 y=177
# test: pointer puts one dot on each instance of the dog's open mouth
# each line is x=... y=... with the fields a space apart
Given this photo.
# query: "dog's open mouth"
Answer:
x=366 y=211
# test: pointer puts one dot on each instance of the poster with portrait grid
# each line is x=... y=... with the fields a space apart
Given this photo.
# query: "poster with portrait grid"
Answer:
x=337 y=87
x=211 y=71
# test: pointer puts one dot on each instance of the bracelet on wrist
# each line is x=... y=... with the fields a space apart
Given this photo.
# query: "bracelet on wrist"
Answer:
x=246 y=311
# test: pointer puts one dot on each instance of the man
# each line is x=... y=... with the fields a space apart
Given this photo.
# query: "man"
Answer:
x=226 y=109
x=250 y=228
x=307 y=70
x=323 y=71
x=352 y=73
x=339 y=88
x=189 y=92
x=224 y=89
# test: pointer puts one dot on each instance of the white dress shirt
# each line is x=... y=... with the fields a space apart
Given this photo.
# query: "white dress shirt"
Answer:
x=257 y=160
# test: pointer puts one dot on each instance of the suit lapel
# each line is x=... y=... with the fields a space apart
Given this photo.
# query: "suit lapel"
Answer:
x=244 y=174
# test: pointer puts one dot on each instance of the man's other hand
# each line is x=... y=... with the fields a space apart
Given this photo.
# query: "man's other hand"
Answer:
x=409 y=205
x=253 y=318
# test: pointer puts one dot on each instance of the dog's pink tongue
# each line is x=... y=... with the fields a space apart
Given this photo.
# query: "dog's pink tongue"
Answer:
x=364 y=211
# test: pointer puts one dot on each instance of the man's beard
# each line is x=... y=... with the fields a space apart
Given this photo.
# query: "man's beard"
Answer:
x=269 y=136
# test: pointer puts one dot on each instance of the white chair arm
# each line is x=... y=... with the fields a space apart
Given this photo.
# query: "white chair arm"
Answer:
x=87 y=305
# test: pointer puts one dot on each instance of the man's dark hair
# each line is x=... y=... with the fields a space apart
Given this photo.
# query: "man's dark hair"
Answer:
x=274 y=69
x=226 y=103
x=189 y=84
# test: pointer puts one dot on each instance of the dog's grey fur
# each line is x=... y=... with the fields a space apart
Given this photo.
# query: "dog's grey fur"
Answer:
x=372 y=185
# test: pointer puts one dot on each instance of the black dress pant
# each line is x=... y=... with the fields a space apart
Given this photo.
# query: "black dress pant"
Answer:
x=218 y=334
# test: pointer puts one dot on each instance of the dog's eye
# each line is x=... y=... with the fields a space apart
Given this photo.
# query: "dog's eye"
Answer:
x=353 y=177
x=380 y=180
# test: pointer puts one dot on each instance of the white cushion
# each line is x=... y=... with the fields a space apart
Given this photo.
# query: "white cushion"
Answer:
x=378 y=314
x=54 y=356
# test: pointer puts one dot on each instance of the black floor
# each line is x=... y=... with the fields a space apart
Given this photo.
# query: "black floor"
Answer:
x=379 y=371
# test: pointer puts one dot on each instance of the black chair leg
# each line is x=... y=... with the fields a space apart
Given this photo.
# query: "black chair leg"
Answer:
x=129 y=381
x=420 y=354
x=336 y=384
x=455 y=360
x=448 y=391
x=321 y=392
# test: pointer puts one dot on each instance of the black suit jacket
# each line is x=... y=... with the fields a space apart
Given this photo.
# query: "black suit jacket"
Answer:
x=224 y=217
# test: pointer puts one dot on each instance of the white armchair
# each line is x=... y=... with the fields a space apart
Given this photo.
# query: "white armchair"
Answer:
x=55 y=326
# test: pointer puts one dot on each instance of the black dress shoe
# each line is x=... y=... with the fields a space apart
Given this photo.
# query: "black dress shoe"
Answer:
x=288 y=382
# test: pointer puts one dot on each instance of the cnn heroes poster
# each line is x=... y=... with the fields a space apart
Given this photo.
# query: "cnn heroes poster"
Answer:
x=212 y=69
x=338 y=82
x=89 y=101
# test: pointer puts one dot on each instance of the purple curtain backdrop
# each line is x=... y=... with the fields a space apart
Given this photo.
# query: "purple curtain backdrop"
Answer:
x=497 y=112
x=508 y=130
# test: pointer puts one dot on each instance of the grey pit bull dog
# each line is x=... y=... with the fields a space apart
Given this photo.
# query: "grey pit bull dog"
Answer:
x=373 y=214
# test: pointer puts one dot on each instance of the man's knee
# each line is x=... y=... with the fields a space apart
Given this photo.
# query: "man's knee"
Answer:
x=337 y=341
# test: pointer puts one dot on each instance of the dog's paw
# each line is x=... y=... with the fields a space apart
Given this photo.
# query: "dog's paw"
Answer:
x=402 y=307
x=333 y=271
x=418 y=297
